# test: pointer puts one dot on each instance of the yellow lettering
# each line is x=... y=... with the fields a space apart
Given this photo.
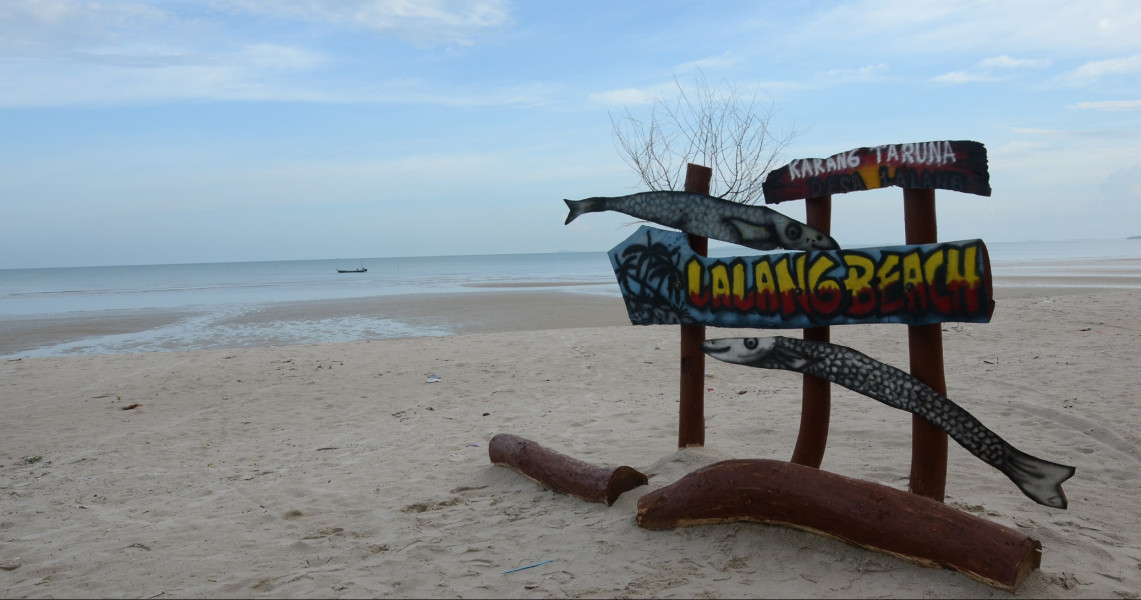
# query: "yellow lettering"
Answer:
x=930 y=270
x=766 y=286
x=858 y=283
x=825 y=295
x=888 y=275
x=913 y=285
x=741 y=299
x=719 y=284
x=693 y=272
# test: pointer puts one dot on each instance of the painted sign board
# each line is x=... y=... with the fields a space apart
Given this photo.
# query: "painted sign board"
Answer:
x=960 y=166
x=664 y=282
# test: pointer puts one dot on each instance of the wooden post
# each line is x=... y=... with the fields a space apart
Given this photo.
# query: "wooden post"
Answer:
x=691 y=417
x=816 y=394
x=925 y=347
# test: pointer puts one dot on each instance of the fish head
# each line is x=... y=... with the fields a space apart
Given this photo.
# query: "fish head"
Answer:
x=740 y=351
x=781 y=232
x=794 y=234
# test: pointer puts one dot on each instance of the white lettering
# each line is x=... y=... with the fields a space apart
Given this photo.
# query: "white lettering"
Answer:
x=893 y=152
x=792 y=172
x=908 y=150
x=853 y=159
x=921 y=153
x=830 y=163
x=948 y=153
x=817 y=166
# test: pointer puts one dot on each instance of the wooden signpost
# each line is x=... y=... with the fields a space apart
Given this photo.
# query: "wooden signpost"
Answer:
x=667 y=278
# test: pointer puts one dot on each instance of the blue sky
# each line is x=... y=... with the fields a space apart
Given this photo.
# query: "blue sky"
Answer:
x=139 y=132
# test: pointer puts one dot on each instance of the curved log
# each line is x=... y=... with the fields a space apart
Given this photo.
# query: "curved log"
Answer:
x=862 y=513
x=563 y=473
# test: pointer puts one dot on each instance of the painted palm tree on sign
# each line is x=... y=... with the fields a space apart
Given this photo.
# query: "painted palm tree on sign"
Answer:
x=649 y=276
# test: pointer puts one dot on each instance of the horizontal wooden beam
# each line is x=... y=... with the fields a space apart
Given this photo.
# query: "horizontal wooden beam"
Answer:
x=958 y=165
x=863 y=513
x=563 y=473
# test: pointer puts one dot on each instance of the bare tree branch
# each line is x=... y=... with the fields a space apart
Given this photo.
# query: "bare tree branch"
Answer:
x=717 y=128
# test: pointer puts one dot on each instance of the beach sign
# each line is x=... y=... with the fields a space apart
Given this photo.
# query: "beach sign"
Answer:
x=959 y=166
x=663 y=281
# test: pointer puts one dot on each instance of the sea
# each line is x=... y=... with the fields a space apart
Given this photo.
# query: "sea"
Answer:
x=199 y=304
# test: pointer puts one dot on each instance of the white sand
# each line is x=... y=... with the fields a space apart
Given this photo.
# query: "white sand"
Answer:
x=337 y=470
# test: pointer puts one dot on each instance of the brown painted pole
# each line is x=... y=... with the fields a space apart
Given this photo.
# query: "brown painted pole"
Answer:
x=925 y=347
x=691 y=417
x=816 y=394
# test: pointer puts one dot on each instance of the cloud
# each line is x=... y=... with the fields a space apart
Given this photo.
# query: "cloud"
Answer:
x=34 y=28
x=1007 y=62
x=1108 y=105
x=422 y=22
x=985 y=70
x=71 y=53
x=999 y=40
x=634 y=96
x=725 y=60
x=959 y=77
x=1091 y=72
x=279 y=58
x=858 y=75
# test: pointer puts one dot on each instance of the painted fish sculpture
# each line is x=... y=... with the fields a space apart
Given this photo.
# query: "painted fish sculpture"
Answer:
x=758 y=227
x=1040 y=480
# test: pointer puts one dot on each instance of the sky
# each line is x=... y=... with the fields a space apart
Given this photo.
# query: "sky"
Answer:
x=170 y=131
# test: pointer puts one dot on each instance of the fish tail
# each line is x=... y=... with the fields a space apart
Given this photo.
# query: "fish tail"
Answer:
x=1041 y=480
x=579 y=207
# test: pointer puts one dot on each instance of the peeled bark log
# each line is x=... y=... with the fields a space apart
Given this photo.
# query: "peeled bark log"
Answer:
x=563 y=473
x=863 y=513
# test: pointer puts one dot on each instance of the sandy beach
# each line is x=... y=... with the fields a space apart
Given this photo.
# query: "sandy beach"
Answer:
x=361 y=469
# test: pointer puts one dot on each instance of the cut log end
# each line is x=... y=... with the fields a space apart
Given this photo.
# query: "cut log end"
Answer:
x=563 y=473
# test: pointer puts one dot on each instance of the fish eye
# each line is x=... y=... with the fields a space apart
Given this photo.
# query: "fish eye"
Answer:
x=751 y=343
x=792 y=231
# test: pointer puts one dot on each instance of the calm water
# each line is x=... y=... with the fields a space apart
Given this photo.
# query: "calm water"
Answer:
x=208 y=300
x=49 y=291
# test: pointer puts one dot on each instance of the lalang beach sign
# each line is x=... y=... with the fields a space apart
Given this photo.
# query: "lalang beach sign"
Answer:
x=803 y=279
x=665 y=282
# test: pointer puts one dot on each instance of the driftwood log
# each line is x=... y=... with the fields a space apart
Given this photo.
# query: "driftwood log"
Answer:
x=863 y=513
x=563 y=473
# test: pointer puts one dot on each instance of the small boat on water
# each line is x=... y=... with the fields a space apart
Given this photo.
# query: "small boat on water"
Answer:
x=359 y=269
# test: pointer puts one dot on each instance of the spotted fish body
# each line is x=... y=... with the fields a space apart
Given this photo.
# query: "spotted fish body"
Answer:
x=1039 y=479
x=758 y=227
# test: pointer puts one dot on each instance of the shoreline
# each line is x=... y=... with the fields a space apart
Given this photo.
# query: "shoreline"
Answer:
x=490 y=307
x=419 y=314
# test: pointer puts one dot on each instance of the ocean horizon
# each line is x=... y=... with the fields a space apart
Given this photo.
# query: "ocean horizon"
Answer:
x=207 y=305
